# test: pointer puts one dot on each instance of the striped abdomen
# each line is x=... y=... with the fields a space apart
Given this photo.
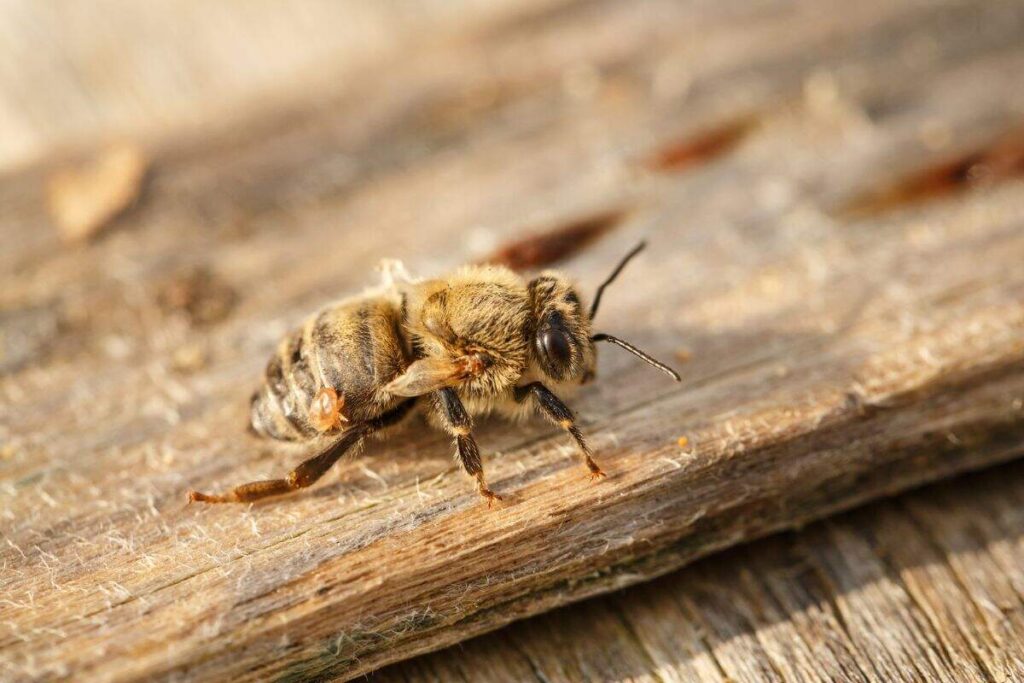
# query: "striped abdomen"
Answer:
x=354 y=347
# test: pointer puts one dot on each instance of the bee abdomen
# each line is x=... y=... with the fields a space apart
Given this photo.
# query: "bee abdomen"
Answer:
x=280 y=406
x=353 y=348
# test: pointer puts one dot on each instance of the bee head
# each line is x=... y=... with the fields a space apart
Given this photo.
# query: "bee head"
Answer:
x=563 y=343
x=560 y=344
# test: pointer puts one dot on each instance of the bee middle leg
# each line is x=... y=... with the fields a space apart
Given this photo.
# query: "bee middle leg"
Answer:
x=556 y=411
x=309 y=471
x=457 y=422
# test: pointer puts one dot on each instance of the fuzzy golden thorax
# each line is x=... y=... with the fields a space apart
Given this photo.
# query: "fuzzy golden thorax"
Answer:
x=476 y=321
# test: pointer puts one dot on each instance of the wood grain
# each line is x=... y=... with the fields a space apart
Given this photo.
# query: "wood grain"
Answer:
x=834 y=359
x=921 y=587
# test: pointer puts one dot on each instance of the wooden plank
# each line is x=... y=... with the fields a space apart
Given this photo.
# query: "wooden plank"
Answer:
x=870 y=596
x=834 y=359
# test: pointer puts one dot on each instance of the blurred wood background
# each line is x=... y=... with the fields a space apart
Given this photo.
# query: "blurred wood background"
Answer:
x=833 y=195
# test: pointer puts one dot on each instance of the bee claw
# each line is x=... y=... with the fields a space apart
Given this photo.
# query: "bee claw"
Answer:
x=490 y=496
x=194 y=496
x=597 y=475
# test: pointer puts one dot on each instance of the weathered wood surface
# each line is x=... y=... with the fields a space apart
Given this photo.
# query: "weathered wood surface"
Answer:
x=837 y=352
x=925 y=587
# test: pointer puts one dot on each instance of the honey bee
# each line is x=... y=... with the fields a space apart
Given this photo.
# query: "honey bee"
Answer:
x=482 y=339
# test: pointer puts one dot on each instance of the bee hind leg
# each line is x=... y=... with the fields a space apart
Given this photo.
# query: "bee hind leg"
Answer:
x=302 y=476
x=309 y=471
x=557 y=412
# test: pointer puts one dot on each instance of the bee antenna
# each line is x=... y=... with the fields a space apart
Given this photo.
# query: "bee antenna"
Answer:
x=638 y=353
x=615 y=273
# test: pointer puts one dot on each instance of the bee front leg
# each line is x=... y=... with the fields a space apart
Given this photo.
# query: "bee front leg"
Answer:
x=556 y=411
x=456 y=421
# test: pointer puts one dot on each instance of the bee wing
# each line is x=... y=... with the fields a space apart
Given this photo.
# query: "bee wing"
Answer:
x=427 y=375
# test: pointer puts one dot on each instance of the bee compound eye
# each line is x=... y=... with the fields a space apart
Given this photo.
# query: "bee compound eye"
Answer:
x=556 y=347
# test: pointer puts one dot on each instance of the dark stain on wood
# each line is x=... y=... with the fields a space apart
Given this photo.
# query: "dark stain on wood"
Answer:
x=701 y=147
x=998 y=161
x=546 y=248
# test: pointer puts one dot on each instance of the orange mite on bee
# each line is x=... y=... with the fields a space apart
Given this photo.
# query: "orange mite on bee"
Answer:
x=481 y=339
x=325 y=410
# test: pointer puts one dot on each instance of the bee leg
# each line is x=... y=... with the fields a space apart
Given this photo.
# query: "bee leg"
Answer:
x=309 y=471
x=556 y=411
x=456 y=421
